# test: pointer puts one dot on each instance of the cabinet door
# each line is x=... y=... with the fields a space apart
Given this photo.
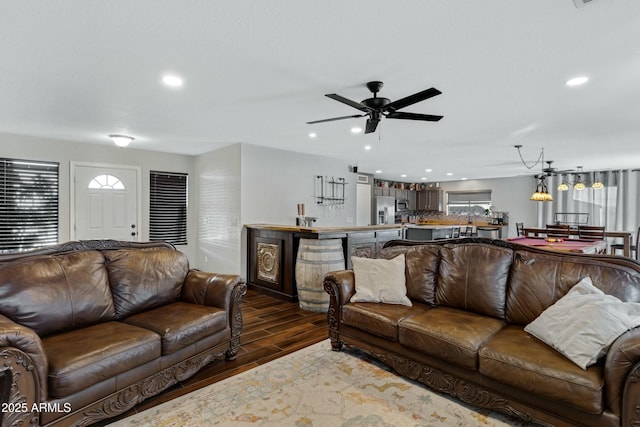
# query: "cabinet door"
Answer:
x=434 y=200
x=421 y=200
x=377 y=191
x=383 y=237
x=412 y=200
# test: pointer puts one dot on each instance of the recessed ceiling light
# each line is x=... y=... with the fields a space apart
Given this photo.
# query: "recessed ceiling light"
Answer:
x=356 y=130
x=404 y=175
x=449 y=173
x=464 y=179
x=577 y=81
x=367 y=147
x=172 y=80
x=312 y=134
x=424 y=178
x=428 y=170
x=378 y=171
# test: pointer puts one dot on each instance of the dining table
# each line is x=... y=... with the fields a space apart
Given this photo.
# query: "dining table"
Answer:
x=624 y=235
x=563 y=245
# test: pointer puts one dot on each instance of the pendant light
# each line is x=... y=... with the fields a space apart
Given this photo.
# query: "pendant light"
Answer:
x=541 y=193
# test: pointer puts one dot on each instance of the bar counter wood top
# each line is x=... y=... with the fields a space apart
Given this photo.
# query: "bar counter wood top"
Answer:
x=320 y=230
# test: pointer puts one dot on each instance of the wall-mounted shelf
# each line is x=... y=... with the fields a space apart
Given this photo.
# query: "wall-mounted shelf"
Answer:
x=330 y=190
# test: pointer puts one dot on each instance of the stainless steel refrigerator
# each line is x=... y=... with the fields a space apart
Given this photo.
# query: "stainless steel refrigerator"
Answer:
x=384 y=210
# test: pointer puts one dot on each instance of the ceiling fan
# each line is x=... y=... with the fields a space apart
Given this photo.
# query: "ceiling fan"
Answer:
x=377 y=107
x=549 y=170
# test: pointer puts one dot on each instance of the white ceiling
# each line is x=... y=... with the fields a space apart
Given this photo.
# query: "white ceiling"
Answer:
x=255 y=71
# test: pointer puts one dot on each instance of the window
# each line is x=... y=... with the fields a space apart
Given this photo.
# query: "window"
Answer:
x=469 y=203
x=106 y=182
x=28 y=204
x=168 y=207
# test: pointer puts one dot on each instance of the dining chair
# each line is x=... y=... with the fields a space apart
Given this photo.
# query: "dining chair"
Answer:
x=520 y=228
x=633 y=248
x=590 y=232
x=455 y=232
x=558 y=231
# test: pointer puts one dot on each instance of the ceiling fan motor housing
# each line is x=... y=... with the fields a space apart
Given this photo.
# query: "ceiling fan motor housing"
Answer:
x=376 y=103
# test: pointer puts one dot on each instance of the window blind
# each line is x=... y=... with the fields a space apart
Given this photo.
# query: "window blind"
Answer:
x=461 y=197
x=28 y=204
x=168 y=207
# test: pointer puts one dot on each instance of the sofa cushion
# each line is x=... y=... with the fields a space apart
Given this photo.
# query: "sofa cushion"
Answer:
x=84 y=357
x=180 y=324
x=518 y=359
x=582 y=324
x=380 y=280
x=421 y=270
x=55 y=293
x=449 y=334
x=379 y=319
x=539 y=280
x=473 y=277
x=141 y=279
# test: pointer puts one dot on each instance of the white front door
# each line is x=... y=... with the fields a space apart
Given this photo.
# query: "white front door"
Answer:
x=106 y=202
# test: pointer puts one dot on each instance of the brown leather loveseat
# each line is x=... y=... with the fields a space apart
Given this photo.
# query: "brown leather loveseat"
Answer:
x=464 y=333
x=89 y=329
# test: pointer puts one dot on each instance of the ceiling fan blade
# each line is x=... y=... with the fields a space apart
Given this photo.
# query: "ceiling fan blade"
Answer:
x=412 y=99
x=371 y=126
x=347 y=101
x=336 y=118
x=413 y=116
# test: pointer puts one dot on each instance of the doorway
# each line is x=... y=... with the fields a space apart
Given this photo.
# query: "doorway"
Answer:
x=105 y=202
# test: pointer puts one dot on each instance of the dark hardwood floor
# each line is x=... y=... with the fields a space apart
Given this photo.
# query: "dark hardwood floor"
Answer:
x=272 y=328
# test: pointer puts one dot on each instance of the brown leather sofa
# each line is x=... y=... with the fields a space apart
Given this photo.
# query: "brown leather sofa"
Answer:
x=464 y=333
x=89 y=329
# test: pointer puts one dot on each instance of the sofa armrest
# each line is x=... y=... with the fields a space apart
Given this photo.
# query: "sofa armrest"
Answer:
x=622 y=376
x=224 y=291
x=24 y=366
x=341 y=286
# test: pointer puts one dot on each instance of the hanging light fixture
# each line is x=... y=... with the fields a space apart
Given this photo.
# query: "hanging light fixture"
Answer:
x=597 y=184
x=121 y=140
x=541 y=193
x=579 y=184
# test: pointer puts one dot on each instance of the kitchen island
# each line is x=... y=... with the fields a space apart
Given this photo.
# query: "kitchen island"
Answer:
x=444 y=231
x=272 y=251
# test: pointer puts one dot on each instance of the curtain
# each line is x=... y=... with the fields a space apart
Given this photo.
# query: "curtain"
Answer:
x=616 y=206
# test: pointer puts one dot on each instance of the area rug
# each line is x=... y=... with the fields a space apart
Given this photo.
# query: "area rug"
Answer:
x=316 y=387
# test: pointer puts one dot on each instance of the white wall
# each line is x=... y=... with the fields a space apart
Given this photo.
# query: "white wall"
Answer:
x=275 y=181
x=218 y=181
x=64 y=152
x=507 y=194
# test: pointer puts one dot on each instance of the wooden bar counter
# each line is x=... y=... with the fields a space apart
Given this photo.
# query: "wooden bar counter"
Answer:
x=272 y=251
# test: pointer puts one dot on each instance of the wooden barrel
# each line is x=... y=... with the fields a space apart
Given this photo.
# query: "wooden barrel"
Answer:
x=315 y=259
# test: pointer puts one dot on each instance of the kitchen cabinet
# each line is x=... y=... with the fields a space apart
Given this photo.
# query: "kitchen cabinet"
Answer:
x=412 y=200
x=430 y=199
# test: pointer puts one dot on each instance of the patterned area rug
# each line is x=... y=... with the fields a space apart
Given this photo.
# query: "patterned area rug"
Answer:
x=316 y=387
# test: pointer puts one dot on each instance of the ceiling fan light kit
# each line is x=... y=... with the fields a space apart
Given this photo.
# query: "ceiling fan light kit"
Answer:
x=375 y=108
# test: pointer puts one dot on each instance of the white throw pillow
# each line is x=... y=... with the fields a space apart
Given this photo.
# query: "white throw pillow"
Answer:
x=584 y=323
x=380 y=280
